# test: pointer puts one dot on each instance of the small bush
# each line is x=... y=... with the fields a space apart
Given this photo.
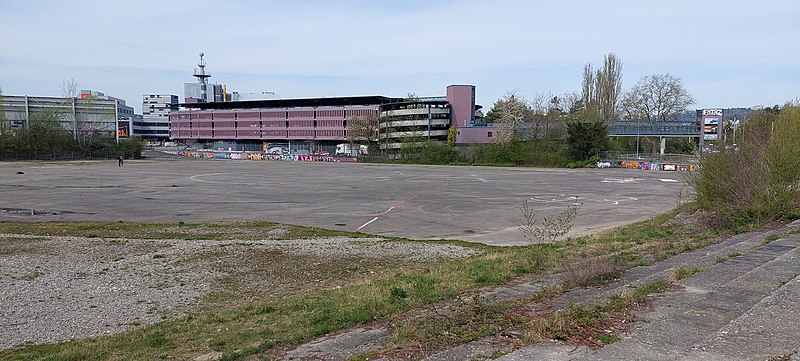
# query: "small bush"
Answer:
x=590 y=272
x=551 y=227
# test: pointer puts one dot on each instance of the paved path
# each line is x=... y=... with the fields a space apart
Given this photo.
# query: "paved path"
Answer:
x=742 y=309
x=425 y=202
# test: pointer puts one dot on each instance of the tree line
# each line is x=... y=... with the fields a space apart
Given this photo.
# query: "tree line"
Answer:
x=567 y=130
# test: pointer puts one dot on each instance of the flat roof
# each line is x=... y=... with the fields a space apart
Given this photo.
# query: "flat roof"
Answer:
x=295 y=103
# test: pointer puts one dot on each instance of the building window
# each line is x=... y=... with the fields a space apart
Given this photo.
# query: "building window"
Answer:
x=489 y=134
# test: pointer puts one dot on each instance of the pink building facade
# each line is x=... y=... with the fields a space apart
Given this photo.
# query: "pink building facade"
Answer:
x=322 y=120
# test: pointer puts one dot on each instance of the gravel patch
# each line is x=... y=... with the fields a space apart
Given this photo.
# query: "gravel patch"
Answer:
x=56 y=289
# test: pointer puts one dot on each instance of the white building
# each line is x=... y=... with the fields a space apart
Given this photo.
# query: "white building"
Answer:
x=154 y=124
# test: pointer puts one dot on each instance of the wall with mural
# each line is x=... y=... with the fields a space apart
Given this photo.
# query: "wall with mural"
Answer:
x=670 y=167
x=262 y=156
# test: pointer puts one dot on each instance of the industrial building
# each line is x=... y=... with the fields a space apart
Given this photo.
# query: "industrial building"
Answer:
x=321 y=123
x=91 y=111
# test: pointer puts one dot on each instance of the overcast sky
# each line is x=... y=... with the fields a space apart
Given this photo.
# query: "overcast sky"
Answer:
x=729 y=53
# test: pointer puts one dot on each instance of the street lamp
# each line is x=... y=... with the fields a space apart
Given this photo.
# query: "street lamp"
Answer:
x=638 y=125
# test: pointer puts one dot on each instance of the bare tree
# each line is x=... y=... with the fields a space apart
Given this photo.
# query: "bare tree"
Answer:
x=363 y=129
x=600 y=90
x=587 y=87
x=608 y=86
x=538 y=108
x=656 y=97
x=569 y=102
x=69 y=89
x=3 y=125
x=509 y=112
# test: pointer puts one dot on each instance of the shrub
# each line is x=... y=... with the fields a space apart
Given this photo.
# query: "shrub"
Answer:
x=760 y=181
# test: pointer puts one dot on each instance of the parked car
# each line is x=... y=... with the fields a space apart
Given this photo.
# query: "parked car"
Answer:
x=277 y=150
x=351 y=149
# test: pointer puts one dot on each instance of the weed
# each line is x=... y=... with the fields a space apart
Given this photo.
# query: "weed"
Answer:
x=590 y=272
x=586 y=324
x=468 y=321
x=721 y=259
x=643 y=291
x=606 y=339
x=771 y=238
x=398 y=292
x=498 y=354
x=551 y=228
x=159 y=255
x=683 y=272
x=784 y=282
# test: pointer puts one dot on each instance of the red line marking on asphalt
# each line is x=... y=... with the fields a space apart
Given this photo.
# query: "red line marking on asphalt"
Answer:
x=381 y=214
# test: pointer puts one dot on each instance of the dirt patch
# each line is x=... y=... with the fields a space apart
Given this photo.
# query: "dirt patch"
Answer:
x=58 y=288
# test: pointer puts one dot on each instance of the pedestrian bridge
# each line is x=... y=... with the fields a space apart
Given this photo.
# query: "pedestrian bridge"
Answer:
x=649 y=128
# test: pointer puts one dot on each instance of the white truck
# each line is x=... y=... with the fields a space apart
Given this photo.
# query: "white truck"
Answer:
x=352 y=150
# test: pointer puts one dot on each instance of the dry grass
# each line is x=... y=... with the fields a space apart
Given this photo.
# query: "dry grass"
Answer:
x=263 y=322
x=590 y=272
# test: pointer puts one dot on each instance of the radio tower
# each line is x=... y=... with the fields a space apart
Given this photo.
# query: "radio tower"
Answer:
x=202 y=77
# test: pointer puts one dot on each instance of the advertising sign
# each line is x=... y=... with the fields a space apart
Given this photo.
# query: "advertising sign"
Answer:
x=122 y=130
x=712 y=119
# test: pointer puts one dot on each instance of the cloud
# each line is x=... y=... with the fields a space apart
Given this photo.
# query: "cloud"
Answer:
x=315 y=48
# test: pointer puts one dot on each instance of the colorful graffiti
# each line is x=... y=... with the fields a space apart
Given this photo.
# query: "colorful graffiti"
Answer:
x=669 y=167
x=262 y=156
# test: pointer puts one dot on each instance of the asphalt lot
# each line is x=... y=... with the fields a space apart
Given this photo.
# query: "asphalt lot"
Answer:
x=421 y=202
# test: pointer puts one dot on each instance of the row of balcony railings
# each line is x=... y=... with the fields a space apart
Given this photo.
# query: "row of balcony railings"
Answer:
x=653 y=128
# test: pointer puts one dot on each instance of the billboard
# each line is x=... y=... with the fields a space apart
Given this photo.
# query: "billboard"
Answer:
x=124 y=125
x=712 y=121
x=122 y=130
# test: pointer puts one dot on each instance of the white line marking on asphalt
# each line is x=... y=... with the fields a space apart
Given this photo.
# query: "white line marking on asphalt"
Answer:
x=618 y=180
x=196 y=178
x=379 y=215
x=667 y=180
x=367 y=224
x=479 y=178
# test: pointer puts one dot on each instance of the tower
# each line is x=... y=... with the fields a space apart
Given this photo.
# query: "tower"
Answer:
x=202 y=78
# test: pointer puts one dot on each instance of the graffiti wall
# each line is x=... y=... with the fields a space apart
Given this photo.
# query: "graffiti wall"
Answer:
x=670 y=167
x=262 y=156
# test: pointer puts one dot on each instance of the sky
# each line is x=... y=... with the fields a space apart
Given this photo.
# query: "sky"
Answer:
x=728 y=53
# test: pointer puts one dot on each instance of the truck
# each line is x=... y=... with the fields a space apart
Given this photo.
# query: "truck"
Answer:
x=352 y=150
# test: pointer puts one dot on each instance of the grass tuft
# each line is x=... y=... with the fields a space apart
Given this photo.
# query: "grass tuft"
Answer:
x=683 y=272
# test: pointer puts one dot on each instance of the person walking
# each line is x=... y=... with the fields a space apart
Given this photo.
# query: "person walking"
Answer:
x=120 y=161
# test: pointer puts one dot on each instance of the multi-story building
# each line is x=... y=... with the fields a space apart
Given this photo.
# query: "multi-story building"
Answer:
x=154 y=125
x=91 y=111
x=321 y=123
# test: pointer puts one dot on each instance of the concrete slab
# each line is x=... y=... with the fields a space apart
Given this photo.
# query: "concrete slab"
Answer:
x=425 y=202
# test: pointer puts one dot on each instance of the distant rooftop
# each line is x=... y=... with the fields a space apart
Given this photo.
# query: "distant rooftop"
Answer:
x=295 y=103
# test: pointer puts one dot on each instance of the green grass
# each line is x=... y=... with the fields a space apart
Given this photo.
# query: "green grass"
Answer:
x=683 y=272
x=251 y=230
x=784 y=282
x=238 y=328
